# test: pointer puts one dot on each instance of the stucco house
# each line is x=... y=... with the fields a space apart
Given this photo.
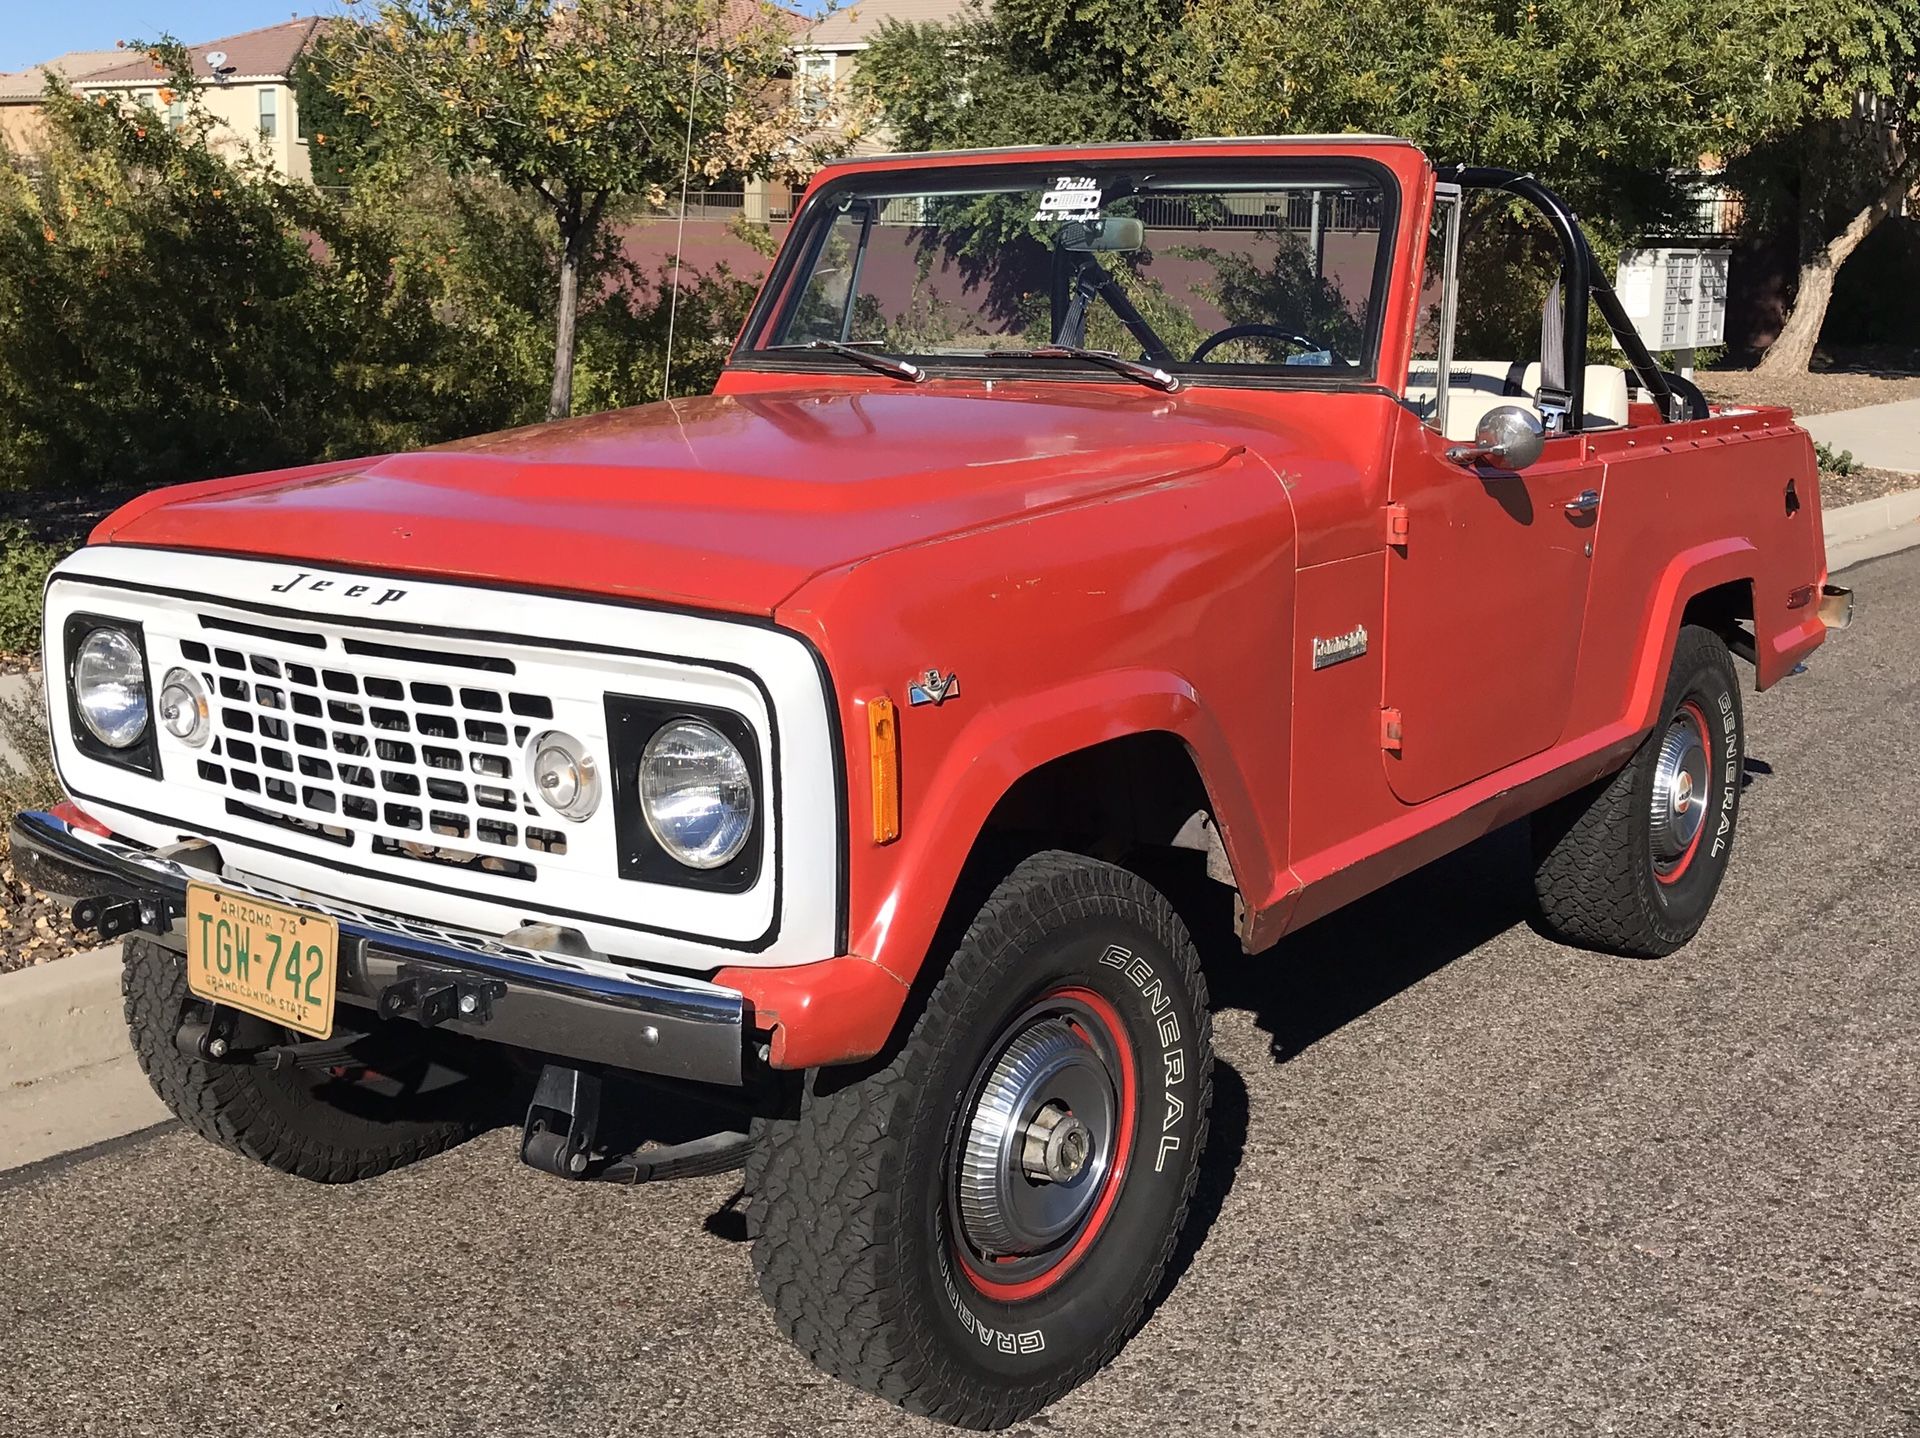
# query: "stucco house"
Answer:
x=827 y=54
x=249 y=90
x=22 y=93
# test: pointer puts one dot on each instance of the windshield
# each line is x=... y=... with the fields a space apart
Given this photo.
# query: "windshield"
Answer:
x=1271 y=269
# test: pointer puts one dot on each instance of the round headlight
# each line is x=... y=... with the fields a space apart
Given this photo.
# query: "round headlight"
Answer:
x=563 y=774
x=110 y=687
x=696 y=794
x=183 y=707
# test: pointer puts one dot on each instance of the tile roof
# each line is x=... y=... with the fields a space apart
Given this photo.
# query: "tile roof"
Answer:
x=28 y=84
x=266 y=53
x=859 y=22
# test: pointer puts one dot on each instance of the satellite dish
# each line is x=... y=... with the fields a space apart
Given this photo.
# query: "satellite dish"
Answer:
x=216 y=59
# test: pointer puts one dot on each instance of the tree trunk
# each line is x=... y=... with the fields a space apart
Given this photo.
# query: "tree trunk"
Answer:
x=566 y=311
x=1792 y=352
x=579 y=221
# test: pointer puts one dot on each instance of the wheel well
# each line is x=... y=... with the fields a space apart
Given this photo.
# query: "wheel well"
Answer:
x=1141 y=791
x=1726 y=609
x=1137 y=801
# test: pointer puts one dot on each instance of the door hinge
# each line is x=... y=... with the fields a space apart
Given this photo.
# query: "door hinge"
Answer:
x=1390 y=732
x=1397 y=525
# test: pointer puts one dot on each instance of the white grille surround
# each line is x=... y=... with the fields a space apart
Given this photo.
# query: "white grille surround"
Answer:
x=369 y=733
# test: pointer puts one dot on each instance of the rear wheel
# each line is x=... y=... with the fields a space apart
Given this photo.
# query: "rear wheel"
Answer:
x=1631 y=865
x=974 y=1228
x=330 y=1125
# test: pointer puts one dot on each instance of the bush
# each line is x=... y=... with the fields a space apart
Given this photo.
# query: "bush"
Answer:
x=1832 y=461
x=24 y=563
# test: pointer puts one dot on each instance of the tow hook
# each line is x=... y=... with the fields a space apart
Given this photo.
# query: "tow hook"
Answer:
x=563 y=1128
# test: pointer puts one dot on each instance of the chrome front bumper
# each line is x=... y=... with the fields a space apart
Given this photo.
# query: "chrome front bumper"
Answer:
x=574 y=1005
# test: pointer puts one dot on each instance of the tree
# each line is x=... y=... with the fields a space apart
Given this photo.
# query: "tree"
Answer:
x=1027 y=72
x=582 y=104
x=1603 y=98
x=1859 y=149
x=170 y=312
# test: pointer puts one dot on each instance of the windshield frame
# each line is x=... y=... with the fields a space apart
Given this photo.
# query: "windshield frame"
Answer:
x=813 y=223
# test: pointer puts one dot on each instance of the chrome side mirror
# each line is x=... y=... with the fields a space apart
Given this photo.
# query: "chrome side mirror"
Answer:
x=1508 y=437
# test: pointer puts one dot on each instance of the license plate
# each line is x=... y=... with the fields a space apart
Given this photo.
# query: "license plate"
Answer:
x=262 y=958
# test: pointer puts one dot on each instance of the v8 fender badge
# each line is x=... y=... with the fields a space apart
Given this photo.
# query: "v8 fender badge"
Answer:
x=1340 y=648
x=930 y=688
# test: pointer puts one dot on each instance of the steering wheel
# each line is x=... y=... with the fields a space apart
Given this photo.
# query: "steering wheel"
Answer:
x=1272 y=332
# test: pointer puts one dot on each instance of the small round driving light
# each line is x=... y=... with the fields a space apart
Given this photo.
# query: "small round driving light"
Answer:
x=563 y=774
x=110 y=687
x=696 y=793
x=183 y=708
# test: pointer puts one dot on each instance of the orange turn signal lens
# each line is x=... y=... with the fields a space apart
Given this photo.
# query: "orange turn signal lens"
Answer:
x=883 y=744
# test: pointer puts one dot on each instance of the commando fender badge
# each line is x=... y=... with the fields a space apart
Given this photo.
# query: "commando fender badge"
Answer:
x=930 y=688
x=1340 y=648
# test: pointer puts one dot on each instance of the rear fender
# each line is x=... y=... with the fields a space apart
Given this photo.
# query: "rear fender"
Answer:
x=1780 y=642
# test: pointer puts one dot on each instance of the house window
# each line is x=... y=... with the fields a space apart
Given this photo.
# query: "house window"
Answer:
x=269 y=112
x=815 y=74
x=148 y=98
x=176 y=114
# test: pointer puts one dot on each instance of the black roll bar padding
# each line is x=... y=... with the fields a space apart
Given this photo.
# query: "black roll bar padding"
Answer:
x=1116 y=298
x=1581 y=284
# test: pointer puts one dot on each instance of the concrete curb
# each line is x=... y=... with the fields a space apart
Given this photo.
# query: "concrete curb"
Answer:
x=60 y=1016
x=1871 y=528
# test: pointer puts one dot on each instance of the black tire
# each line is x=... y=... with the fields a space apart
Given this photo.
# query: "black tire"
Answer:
x=1606 y=872
x=311 y=1123
x=859 y=1243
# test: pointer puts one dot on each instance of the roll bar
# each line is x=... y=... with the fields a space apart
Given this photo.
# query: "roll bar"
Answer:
x=1579 y=284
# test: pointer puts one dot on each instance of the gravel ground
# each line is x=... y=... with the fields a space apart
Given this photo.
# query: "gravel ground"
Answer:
x=1862 y=484
x=33 y=928
x=1463 y=1184
x=1820 y=392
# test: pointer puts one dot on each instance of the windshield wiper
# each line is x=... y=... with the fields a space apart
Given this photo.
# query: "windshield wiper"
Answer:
x=1147 y=374
x=883 y=363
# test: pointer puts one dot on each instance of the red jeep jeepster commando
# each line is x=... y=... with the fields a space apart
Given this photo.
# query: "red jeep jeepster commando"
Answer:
x=800 y=744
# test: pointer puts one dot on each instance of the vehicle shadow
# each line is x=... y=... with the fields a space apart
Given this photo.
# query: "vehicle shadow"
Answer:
x=1328 y=974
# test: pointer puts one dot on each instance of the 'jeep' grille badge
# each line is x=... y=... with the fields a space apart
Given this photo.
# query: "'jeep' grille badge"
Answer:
x=930 y=688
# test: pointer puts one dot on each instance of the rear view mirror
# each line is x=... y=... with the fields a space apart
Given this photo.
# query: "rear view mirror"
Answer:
x=1111 y=234
x=1509 y=436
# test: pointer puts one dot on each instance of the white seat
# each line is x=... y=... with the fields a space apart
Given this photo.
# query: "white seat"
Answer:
x=1466 y=408
x=1605 y=399
x=1464 y=377
x=1476 y=386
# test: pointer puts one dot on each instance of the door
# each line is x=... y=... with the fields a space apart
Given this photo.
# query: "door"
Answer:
x=1484 y=606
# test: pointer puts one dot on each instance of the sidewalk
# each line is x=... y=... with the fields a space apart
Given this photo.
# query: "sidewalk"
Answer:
x=1883 y=436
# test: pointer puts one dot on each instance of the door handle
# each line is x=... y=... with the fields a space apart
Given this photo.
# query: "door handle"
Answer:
x=1586 y=502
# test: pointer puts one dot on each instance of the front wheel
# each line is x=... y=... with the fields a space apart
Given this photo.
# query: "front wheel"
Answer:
x=332 y=1125
x=1632 y=864
x=975 y=1228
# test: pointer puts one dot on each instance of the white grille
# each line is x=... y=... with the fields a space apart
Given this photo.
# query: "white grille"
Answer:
x=334 y=744
x=443 y=684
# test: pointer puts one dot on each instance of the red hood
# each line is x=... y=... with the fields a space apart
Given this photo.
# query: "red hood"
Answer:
x=726 y=502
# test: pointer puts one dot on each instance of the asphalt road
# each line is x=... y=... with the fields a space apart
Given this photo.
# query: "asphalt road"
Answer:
x=1463 y=1182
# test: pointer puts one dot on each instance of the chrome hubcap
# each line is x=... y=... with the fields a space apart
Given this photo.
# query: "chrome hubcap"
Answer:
x=1034 y=1147
x=1679 y=790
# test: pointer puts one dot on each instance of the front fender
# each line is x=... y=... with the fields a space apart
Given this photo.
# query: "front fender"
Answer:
x=999 y=746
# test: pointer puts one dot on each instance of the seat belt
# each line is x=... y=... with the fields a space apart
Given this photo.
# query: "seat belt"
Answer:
x=1553 y=397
